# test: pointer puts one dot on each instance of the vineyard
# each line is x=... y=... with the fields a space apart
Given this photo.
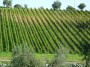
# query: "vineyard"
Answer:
x=43 y=30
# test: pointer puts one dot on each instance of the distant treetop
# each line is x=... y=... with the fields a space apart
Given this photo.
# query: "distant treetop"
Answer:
x=7 y=3
x=18 y=6
x=56 y=4
x=81 y=6
x=70 y=8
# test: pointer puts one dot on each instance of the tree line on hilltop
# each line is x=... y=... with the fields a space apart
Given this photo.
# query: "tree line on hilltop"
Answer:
x=56 y=5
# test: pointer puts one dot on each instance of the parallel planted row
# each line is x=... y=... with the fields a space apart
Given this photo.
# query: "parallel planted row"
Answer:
x=43 y=30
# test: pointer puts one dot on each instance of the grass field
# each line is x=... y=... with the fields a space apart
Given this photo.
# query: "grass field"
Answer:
x=70 y=57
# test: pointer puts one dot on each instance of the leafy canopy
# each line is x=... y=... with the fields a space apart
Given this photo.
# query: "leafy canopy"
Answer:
x=18 y=6
x=56 y=4
x=7 y=3
x=70 y=8
x=81 y=6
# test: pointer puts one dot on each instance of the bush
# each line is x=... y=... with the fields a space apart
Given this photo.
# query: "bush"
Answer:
x=60 y=58
x=24 y=57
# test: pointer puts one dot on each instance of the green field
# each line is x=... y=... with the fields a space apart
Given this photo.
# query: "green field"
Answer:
x=43 y=30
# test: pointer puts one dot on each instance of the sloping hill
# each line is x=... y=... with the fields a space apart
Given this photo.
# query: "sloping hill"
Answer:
x=43 y=30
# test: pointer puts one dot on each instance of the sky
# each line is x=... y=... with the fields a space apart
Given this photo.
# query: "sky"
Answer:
x=48 y=3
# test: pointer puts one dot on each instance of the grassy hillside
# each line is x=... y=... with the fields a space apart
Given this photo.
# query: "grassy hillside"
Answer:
x=43 y=30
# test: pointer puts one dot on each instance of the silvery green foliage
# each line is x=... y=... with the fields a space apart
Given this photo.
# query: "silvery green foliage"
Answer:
x=4 y=65
x=24 y=57
x=60 y=58
x=75 y=65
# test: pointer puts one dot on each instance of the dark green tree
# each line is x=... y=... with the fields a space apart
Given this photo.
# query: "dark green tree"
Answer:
x=81 y=6
x=7 y=3
x=18 y=6
x=70 y=8
x=56 y=4
x=86 y=53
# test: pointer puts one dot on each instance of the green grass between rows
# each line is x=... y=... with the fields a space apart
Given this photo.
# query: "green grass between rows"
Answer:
x=70 y=57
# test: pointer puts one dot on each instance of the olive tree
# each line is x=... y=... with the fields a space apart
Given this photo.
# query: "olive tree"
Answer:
x=56 y=4
x=24 y=57
x=70 y=8
x=18 y=6
x=60 y=58
x=7 y=3
x=81 y=6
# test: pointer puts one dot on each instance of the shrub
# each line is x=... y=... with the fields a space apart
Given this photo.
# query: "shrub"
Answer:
x=24 y=57
x=60 y=58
